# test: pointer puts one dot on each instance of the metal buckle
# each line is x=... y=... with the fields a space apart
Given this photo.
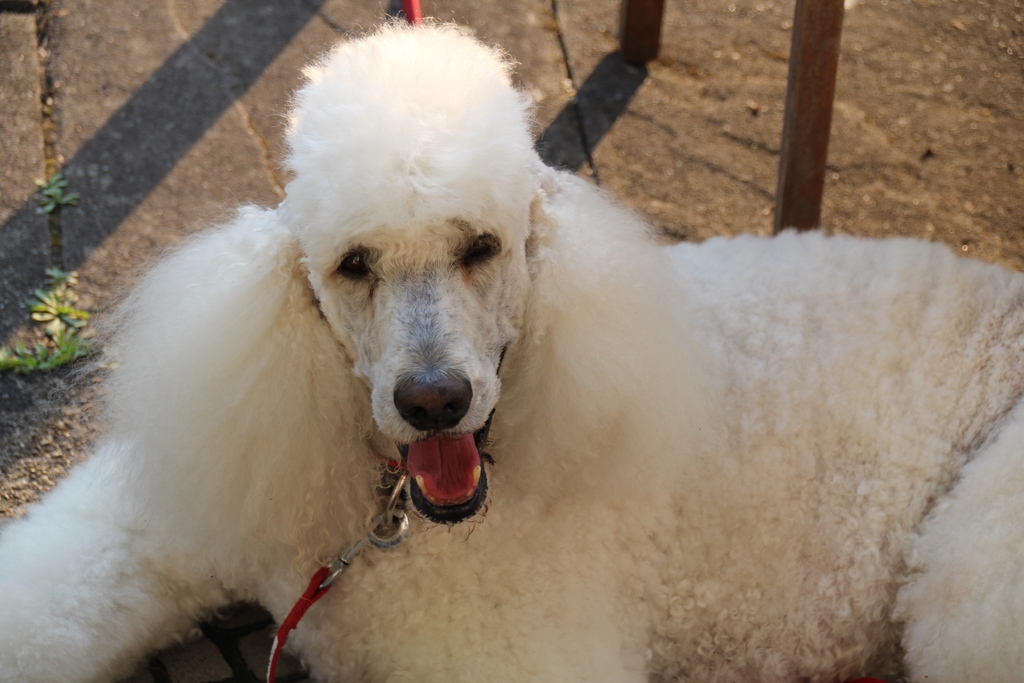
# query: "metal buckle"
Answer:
x=392 y=526
x=389 y=529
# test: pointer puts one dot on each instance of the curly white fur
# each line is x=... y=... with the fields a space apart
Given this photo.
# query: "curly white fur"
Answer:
x=750 y=459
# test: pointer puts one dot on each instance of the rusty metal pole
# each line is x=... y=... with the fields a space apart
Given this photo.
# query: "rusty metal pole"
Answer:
x=640 y=30
x=809 y=95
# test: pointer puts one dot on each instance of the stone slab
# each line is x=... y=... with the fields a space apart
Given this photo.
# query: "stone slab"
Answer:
x=196 y=662
x=25 y=409
x=927 y=139
x=925 y=135
x=691 y=144
x=268 y=100
x=24 y=233
x=152 y=135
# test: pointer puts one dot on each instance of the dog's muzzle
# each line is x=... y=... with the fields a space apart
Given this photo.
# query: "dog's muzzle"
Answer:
x=447 y=473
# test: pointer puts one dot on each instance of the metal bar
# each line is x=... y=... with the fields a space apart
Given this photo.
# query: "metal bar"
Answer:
x=640 y=30
x=809 y=95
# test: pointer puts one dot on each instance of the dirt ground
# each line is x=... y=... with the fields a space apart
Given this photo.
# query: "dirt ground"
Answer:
x=928 y=141
x=927 y=135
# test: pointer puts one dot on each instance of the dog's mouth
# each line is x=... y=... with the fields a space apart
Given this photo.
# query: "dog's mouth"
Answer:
x=448 y=476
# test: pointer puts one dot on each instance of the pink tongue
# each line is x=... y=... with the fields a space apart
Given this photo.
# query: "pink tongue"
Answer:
x=444 y=467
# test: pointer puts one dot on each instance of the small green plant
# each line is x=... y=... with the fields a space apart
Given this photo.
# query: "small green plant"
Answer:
x=53 y=195
x=54 y=308
x=68 y=346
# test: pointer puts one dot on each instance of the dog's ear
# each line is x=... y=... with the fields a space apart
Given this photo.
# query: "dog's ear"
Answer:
x=297 y=263
x=542 y=222
x=536 y=215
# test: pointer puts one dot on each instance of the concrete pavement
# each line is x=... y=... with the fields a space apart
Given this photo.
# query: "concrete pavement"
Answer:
x=165 y=116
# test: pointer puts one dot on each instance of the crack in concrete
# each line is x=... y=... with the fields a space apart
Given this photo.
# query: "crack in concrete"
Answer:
x=172 y=11
x=186 y=42
x=575 y=101
x=722 y=170
x=268 y=157
x=246 y=118
x=652 y=121
x=52 y=159
x=711 y=165
x=331 y=24
x=750 y=143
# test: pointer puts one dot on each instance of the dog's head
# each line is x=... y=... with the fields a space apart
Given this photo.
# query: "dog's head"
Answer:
x=414 y=172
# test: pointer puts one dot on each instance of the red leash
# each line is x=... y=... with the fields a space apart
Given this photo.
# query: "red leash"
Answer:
x=314 y=592
x=386 y=532
x=412 y=11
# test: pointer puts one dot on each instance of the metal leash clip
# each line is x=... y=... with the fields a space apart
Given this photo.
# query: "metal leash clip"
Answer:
x=388 y=530
x=392 y=526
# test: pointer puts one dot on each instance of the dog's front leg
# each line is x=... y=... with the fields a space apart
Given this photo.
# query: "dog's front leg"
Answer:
x=85 y=590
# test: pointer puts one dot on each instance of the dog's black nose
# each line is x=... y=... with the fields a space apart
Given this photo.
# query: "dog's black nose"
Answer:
x=434 y=401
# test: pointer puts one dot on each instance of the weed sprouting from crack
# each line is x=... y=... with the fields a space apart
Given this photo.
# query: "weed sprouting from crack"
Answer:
x=66 y=338
x=53 y=194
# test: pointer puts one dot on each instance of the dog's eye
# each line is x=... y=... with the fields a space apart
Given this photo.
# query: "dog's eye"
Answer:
x=354 y=265
x=481 y=249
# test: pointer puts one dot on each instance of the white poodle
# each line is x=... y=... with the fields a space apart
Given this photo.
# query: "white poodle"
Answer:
x=784 y=459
